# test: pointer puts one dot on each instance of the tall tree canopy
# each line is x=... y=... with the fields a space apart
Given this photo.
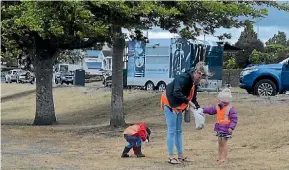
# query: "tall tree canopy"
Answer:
x=279 y=38
x=275 y=51
x=42 y=29
x=248 y=41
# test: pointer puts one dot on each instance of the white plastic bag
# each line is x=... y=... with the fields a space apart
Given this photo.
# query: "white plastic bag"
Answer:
x=199 y=118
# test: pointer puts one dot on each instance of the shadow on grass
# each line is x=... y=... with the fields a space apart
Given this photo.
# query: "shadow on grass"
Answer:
x=21 y=94
x=96 y=118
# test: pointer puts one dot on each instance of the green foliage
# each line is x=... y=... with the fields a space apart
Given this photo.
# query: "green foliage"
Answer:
x=275 y=48
x=261 y=58
x=227 y=56
x=248 y=32
x=249 y=42
x=70 y=56
x=242 y=57
x=27 y=24
x=279 y=38
x=275 y=51
x=231 y=64
x=67 y=23
x=273 y=54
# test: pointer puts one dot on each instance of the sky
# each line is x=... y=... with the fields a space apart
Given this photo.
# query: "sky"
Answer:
x=275 y=21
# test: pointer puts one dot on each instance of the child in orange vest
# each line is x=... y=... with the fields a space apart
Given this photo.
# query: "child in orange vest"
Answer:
x=135 y=135
x=226 y=121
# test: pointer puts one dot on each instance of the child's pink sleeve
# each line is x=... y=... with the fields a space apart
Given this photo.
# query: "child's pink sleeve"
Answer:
x=211 y=110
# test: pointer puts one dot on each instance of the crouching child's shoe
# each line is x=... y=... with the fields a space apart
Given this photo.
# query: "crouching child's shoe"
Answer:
x=139 y=154
x=125 y=152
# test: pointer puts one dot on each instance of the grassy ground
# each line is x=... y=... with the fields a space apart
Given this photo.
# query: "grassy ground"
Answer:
x=82 y=140
x=13 y=88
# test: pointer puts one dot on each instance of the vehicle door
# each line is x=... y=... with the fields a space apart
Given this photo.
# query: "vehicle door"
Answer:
x=285 y=76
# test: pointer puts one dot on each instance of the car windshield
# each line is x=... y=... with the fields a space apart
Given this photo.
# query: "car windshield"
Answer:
x=67 y=74
x=22 y=72
x=284 y=61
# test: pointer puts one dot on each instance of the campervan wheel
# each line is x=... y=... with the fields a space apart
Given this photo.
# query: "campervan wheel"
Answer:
x=149 y=86
x=161 y=86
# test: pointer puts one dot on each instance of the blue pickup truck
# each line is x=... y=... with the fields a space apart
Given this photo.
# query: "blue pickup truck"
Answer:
x=266 y=80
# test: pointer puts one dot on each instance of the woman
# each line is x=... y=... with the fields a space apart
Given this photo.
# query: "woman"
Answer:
x=180 y=93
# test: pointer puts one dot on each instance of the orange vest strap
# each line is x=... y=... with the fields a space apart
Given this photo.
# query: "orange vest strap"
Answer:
x=183 y=106
x=131 y=130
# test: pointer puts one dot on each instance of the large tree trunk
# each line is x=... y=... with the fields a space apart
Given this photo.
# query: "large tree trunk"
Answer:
x=117 y=114
x=45 y=113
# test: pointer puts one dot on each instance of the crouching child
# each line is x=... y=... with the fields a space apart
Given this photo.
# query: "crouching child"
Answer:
x=135 y=135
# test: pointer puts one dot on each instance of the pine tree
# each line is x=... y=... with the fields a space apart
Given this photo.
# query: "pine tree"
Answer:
x=248 y=41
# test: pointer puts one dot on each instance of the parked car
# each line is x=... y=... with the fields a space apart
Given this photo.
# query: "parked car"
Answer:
x=65 y=77
x=267 y=79
x=107 y=78
x=13 y=75
x=25 y=77
x=107 y=81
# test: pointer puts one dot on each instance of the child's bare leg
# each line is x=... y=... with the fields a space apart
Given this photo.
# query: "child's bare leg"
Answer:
x=224 y=150
x=220 y=149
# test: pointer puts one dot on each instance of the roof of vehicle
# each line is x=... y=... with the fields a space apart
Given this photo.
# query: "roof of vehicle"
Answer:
x=17 y=70
x=67 y=73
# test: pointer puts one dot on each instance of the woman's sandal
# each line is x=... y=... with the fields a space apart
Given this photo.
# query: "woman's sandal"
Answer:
x=185 y=159
x=174 y=161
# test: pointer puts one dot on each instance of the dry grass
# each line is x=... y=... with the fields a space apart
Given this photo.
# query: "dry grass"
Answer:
x=83 y=141
x=13 y=88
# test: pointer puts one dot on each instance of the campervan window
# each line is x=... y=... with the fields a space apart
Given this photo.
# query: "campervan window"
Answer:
x=94 y=65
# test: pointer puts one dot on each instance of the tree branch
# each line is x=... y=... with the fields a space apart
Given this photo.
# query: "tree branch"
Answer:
x=81 y=43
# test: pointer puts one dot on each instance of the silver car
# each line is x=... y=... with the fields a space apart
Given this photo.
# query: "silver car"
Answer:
x=65 y=77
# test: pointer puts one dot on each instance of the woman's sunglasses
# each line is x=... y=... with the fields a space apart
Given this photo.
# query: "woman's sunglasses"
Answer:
x=202 y=74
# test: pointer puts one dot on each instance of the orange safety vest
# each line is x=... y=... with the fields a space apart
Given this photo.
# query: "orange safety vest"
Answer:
x=223 y=115
x=183 y=106
x=131 y=130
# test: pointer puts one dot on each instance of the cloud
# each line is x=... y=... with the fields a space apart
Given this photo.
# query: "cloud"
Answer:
x=277 y=20
x=265 y=32
x=276 y=17
x=235 y=32
x=157 y=33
